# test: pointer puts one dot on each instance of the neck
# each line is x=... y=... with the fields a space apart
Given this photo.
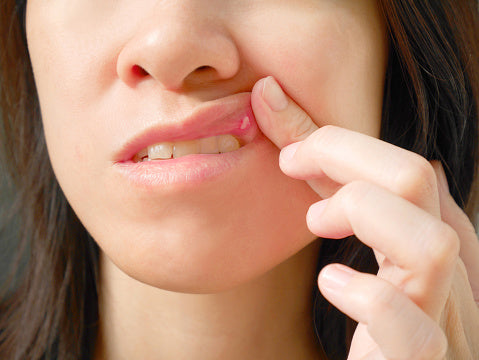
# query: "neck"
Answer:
x=267 y=318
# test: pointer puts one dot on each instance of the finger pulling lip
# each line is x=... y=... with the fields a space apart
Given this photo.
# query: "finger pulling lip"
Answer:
x=230 y=115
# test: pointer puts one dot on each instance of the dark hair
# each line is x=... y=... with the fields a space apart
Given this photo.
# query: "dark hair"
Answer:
x=430 y=107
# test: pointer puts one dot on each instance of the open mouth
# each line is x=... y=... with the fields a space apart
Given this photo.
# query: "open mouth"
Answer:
x=216 y=144
x=188 y=150
x=214 y=128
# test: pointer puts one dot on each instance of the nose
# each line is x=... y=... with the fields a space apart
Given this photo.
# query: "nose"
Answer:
x=179 y=45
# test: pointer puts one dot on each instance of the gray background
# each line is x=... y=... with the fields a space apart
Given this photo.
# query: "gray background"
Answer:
x=7 y=241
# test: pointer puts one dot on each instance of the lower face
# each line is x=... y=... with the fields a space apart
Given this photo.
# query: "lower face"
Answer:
x=199 y=223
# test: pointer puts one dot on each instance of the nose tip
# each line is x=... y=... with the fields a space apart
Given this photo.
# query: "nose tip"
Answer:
x=178 y=51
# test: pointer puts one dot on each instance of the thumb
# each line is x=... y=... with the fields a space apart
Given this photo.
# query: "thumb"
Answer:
x=279 y=117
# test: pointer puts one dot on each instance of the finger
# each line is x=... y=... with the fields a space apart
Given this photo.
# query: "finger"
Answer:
x=344 y=156
x=284 y=123
x=324 y=187
x=399 y=327
x=408 y=236
x=363 y=346
x=279 y=117
x=453 y=215
x=375 y=354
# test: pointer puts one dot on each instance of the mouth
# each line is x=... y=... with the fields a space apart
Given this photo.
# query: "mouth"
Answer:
x=219 y=144
x=218 y=127
x=214 y=140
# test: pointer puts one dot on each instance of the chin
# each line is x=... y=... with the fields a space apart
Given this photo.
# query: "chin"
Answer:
x=194 y=260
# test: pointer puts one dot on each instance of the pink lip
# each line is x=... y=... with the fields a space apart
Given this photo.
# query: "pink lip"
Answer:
x=222 y=116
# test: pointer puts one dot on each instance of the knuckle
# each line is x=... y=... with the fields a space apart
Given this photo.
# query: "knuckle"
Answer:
x=416 y=178
x=383 y=301
x=445 y=245
x=425 y=340
x=303 y=126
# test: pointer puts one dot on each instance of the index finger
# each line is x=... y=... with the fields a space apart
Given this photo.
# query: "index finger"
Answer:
x=345 y=156
x=279 y=117
x=338 y=154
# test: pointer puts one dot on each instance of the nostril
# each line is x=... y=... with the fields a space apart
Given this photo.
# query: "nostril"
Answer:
x=138 y=71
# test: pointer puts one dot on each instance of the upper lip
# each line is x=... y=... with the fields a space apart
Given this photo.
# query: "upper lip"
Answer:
x=221 y=116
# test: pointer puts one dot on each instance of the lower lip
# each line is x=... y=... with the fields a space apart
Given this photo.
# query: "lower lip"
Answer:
x=192 y=169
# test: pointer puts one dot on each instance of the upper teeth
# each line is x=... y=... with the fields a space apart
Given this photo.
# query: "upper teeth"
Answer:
x=167 y=150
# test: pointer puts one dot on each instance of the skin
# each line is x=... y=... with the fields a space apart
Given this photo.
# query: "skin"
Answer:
x=103 y=104
x=423 y=303
x=242 y=288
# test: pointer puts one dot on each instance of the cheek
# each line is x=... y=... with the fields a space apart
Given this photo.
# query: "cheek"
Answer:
x=331 y=63
x=71 y=76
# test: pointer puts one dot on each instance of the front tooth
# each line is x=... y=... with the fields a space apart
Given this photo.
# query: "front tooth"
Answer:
x=227 y=143
x=160 y=151
x=209 y=145
x=183 y=148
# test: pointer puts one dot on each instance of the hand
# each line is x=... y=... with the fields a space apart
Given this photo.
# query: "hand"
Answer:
x=421 y=304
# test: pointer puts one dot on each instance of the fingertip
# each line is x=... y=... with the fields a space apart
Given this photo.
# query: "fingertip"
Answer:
x=334 y=277
x=314 y=216
x=287 y=153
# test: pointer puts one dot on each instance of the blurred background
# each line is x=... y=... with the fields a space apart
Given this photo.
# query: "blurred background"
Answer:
x=7 y=236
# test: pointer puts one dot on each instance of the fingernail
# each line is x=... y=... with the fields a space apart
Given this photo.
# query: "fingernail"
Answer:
x=287 y=153
x=273 y=95
x=335 y=277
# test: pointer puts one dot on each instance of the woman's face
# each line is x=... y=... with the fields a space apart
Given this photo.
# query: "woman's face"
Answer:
x=114 y=77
